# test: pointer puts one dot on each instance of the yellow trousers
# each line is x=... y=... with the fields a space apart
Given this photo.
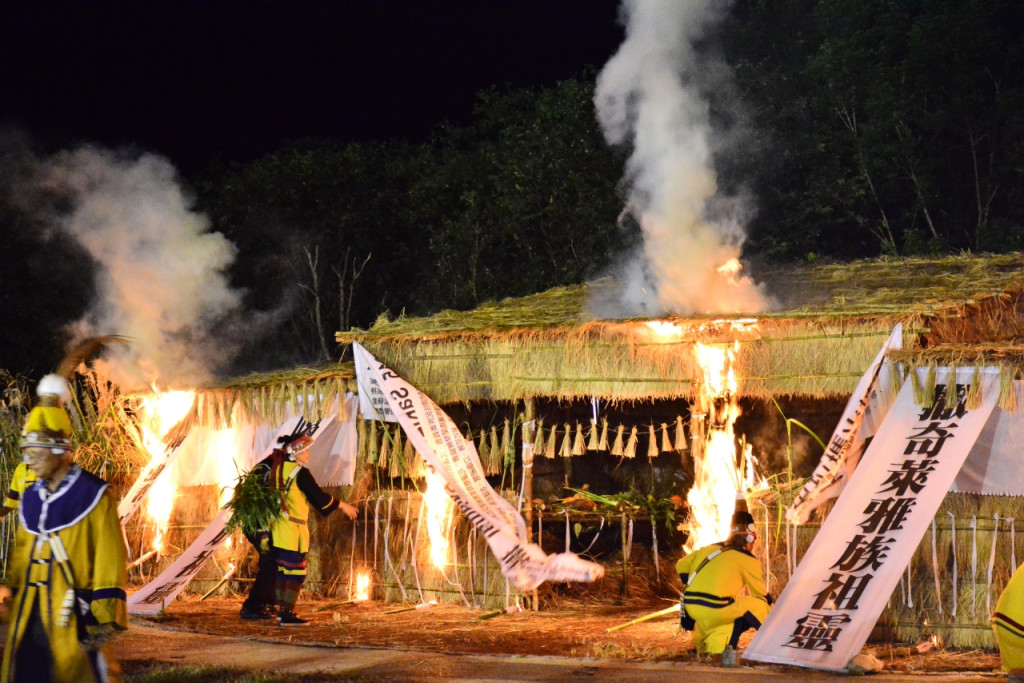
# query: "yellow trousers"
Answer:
x=714 y=625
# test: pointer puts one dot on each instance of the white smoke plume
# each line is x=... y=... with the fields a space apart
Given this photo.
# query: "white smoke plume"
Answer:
x=159 y=271
x=652 y=96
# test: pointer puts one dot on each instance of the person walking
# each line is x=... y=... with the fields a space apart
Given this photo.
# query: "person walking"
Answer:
x=68 y=566
x=289 y=532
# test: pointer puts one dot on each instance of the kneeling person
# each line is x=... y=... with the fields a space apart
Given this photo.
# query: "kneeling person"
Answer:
x=713 y=578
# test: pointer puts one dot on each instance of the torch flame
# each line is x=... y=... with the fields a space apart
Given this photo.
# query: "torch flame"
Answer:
x=362 y=585
x=438 y=506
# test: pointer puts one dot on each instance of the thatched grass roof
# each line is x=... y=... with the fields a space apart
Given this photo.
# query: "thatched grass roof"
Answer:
x=828 y=324
x=267 y=397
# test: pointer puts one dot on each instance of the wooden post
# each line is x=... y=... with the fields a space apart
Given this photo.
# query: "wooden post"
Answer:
x=529 y=414
x=625 y=558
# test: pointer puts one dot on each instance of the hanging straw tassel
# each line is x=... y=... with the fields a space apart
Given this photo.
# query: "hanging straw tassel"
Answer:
x=566 y=450
x=951 y=393
x=397 y=464
x=578 y=447
x=409 y=458
x=652 y=442
x=592 y=443
x=617 y=445
x=417 y=470
x=552 y=446
x=631 y=444
x=666 y=443
x=495 y=456
x=1007 y=396
x=385 y=447
x=973 y=401
x=680 y=435
x=538 y=438
x=495 y=447
x=506 y=438
x=483 y=448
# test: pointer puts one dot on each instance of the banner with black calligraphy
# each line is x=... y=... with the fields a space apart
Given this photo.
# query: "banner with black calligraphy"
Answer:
x=150 y=473
x=372 y=403
x=448 y=454
x=155 y=595
x=843 y=582
x=861 y=418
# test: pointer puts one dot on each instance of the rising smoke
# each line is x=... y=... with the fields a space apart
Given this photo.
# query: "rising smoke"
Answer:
x=653 y=97
x=159 y=273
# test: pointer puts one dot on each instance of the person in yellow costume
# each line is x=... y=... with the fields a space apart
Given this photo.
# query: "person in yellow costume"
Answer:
x=21 y=479
x=68 y=566
x=289 y=533
x=713 y=579
x=1008 y=624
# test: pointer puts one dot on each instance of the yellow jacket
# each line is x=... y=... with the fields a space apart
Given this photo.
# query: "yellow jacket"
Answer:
x=21 y=479
x=722 y=578
x=79 y=520
x=290 y=531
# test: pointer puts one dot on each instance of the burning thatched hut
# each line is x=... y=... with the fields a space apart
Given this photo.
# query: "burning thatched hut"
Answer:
x=543 y=361
x=618 y=417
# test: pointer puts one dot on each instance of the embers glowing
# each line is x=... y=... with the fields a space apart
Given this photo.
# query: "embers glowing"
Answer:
x=438 y=514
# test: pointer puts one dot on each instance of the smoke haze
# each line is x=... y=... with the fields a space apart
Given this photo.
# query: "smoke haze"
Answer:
x=159 y=273
x=652 y=98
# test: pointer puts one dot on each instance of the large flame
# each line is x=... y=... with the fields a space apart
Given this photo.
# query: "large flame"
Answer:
x=438 y=511
x=712 y=499
x=157 y=415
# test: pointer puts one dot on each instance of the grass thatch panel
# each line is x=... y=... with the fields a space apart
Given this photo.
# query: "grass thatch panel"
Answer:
x=623 y=362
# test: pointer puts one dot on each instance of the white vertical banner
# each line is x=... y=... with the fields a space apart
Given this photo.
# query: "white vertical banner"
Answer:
x=372 y=402
x=155 y=595
x=844 y=580
x=448 y=454
x=865 y=410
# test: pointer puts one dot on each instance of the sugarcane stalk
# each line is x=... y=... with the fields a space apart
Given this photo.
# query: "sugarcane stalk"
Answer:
x=655 y=615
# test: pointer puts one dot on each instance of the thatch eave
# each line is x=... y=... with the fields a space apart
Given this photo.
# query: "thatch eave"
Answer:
x=267 y=397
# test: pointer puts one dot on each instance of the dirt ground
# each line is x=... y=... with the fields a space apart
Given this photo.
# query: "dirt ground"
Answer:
x=572 y=630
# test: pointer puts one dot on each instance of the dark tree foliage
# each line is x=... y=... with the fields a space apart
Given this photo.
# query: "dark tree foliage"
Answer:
x=331 y=235
x=876 y=127
x=893 y=126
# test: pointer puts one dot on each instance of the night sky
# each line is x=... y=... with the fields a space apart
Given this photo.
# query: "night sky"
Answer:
x=194 y=81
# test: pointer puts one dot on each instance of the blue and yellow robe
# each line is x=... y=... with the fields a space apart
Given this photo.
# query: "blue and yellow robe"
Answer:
x=73 y=597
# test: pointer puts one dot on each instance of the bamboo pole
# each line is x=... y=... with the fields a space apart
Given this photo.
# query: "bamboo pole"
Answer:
x=529 y=413
x=654 y=615
x=220 y=583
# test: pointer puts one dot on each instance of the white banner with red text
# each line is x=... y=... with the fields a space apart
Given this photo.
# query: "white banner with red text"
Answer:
x=448 y=454
x=843 y=582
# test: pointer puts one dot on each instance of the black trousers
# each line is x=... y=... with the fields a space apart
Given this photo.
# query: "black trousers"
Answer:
x=261 y=593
